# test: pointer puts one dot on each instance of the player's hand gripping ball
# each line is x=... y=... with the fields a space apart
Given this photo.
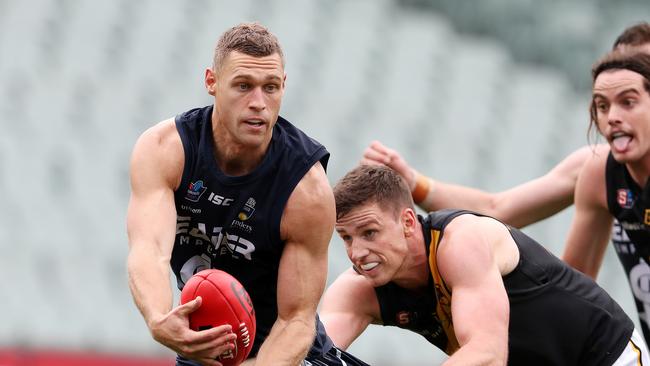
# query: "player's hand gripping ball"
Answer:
x=224 y=301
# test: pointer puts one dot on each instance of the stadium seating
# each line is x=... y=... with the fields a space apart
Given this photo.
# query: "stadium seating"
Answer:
x=481 y=93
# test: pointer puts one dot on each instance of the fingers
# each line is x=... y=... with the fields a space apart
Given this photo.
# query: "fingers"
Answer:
x=211 y=334
x=213 y=350
x=377 y=153
x=190 y=306
x=376 y=157
x=223 y=344
x=206 y=350
x=378 y=146
x=365 y=161
x=202 y=346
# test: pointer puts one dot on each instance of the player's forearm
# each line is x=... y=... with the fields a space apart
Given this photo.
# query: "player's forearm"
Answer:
x=519 y=206
x=149 y=284
x=341 y=328
x=288 y=342
x=440 y=195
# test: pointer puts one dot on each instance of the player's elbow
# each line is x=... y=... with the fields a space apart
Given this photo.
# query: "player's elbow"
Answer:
x=498 y=207
x=298 y=328
x=494 y=356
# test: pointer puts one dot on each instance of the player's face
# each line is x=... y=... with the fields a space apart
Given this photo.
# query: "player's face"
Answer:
x=623 y=113
x=248 y=92
x=375 y=242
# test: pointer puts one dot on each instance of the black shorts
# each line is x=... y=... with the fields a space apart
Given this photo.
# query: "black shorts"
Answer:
x=333 y=357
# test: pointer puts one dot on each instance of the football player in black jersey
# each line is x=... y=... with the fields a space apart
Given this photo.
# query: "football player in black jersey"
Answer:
x=615 y=185
x=481 y=291
x=540 y=198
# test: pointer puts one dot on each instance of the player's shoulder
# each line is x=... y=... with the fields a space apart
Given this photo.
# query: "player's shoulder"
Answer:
x=159 y=146
x=351 y=285
x=591 y=187
x=599 y=152
x=313 y=190
x=461 y=222
x=597 y=160
x=469 y=230
x=310 y=207
x=353 y=277
x=163 y=135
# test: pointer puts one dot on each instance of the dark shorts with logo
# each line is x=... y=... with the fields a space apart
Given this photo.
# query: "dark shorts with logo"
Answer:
x=333 y=357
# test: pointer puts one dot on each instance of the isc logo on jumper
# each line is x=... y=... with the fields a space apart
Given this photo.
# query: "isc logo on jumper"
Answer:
x=195 y=191
x=219 y=200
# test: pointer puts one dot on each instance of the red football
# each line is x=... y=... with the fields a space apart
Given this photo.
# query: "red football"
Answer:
x=224 y=301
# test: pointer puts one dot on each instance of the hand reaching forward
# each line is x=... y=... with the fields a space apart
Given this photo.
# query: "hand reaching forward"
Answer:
x=377 y=153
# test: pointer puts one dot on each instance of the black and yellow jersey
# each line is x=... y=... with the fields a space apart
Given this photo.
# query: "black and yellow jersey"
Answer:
x=558 y=316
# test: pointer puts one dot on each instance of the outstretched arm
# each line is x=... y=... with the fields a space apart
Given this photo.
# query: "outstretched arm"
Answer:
x=591 y=226
x=519 y=206
x=307 y=226
x=151 y=225
x=348 y=306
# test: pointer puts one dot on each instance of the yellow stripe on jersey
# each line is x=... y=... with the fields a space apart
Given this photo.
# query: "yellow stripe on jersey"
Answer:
x=443 y=296
x=638 y=353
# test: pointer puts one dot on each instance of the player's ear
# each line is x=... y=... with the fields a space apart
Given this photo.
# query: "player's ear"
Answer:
x=408 y=218
x=210 y=81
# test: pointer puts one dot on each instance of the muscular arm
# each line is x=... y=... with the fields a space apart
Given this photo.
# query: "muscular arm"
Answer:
x=156 y=166
x=307 y=226
x=591 y=226
x=472 y=256
x=348 y=306
x=519 y=206
x=151 y=222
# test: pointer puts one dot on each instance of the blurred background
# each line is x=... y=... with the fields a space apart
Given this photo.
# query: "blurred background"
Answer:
x=483 y=93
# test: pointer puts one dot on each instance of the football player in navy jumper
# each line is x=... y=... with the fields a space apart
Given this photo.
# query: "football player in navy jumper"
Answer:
x=236 y=187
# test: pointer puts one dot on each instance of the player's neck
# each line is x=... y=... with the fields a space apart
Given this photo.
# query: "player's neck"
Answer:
x=236 y=159
x=414 y=274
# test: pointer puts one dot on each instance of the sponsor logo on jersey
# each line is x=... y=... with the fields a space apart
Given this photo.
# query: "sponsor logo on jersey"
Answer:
x=646 y=217
x=216 y=242
x=632 y=226
x=248 y=210
x=195 y=191
x=403 y=318
x=219 y=200
x=191 y=209
x=625 y=198
x=621 y=241
x=240 y=225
